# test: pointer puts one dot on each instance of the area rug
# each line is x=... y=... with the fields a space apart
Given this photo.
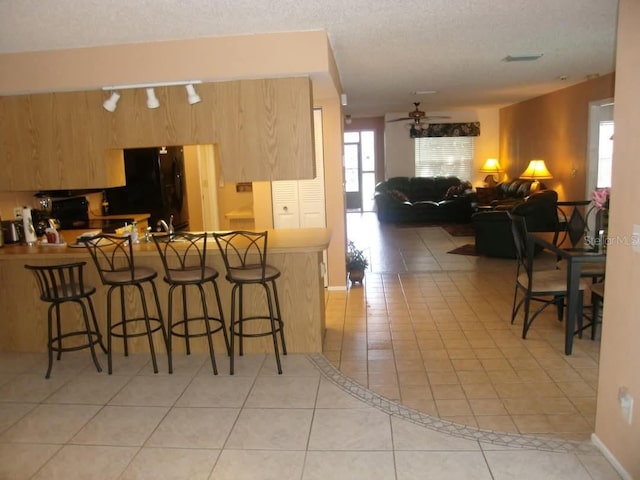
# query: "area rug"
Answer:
x=466 y=249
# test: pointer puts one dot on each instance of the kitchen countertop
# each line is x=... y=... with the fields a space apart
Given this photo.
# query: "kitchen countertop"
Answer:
x=279 y=241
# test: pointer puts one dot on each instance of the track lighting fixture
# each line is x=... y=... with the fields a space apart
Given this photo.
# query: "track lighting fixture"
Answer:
x=152 y=100
x=111 y=103
x=192 y=96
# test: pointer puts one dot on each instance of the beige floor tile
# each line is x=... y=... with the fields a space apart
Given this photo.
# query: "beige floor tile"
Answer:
x=467 y=465
x=194 y=428
x=532 y=423
x=453 y=407
x=487 y=406
x=87 y=461
x=479 y=390
x=350 y=430
x=497 y=423
x=321 y=465
x=19 y=461
x=171 y=463
x=447 y=392
x=271 y=429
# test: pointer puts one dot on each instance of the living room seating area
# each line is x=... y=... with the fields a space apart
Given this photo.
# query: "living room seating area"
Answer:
x=423 y=200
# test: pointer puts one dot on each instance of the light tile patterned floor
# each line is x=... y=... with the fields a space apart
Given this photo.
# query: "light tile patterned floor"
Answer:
x=310 y=423
x=432 y=331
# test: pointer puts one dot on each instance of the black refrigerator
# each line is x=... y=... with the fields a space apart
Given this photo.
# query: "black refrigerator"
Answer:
x=155 y=185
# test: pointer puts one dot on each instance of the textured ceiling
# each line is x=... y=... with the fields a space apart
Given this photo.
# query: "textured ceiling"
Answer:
x=385 y=50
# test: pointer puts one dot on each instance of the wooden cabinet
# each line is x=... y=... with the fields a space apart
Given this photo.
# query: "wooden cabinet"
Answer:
x=263 y=129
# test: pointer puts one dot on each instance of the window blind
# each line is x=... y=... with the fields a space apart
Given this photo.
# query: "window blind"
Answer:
x=444 y=156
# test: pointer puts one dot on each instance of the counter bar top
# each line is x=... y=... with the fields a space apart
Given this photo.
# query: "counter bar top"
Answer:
x=279 y=241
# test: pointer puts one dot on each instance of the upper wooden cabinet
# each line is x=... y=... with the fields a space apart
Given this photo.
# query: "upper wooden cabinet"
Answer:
x=263 y=129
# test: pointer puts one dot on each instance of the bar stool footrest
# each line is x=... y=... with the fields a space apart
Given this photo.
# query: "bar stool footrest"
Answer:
x=212 y=320
x=278 y=328
x=158 y=327
x=96 y=338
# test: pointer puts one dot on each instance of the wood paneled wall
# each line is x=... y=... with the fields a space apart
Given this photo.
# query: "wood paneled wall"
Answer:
x=263 y=129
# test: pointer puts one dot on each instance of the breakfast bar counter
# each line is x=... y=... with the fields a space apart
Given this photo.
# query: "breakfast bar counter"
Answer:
x=296 y=252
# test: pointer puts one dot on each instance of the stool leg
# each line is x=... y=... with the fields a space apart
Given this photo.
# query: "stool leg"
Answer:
x=95 y=324
x=205 y=315
x=277 y=302
x=59 y=327
x=147 y=324
x=220 y=312
x=89 y=337
x=240 y=320
x=185 y=316
x=50 y=343
x=109 y=335
x=123 y=311
x=170 y=329
x=165 y=337
x=232 y=334
x=274 y=333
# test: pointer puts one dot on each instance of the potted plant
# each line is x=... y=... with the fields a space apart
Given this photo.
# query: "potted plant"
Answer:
x=356 y=263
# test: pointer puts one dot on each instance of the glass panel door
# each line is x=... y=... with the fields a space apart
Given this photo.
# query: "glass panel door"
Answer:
x=352 y=176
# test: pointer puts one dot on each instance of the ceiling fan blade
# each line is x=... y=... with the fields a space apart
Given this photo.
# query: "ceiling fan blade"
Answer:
x=403 y=119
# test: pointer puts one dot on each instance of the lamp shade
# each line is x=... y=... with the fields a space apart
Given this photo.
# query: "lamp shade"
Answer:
x=536 y=170
x=491 y=166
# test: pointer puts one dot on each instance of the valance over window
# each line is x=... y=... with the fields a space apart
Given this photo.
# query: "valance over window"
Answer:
x=446 y=130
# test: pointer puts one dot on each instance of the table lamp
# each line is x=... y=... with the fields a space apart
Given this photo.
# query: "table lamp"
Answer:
x=491 y=166
x=536 y=170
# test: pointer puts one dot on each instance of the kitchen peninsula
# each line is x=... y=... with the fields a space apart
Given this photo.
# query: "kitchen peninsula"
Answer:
x=296 y=252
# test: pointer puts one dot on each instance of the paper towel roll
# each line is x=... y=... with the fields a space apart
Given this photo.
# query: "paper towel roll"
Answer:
x=27 y=222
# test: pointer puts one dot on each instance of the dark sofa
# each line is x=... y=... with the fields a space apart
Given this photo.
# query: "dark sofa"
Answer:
x=494 y=237
x=506 y=194
x=424 y=199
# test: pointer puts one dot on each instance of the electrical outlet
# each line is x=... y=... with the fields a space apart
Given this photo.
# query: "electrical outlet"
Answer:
x=17 y=213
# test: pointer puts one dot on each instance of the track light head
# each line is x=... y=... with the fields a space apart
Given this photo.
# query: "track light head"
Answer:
x=111 y=103
x=192 y=96
x=152 y=100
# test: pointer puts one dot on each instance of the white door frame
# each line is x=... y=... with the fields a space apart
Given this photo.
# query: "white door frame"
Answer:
x=599 y=110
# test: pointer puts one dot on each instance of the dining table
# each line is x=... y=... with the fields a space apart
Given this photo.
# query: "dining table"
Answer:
x=575 y=257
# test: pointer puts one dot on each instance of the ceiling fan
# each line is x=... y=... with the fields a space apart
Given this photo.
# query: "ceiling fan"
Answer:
x=418 y=117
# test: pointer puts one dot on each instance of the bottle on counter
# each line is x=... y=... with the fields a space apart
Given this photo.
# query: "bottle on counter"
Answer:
x=134 y=232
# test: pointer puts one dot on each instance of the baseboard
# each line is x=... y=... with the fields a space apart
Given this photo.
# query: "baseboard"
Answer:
x=338 y=288
x=610 y=458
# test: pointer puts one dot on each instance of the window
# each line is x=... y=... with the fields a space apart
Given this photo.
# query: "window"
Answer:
x=444 y=156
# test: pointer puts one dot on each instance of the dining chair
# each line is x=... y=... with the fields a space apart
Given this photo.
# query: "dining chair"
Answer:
x=245 y=258
x=547 y=287
x=184 y=258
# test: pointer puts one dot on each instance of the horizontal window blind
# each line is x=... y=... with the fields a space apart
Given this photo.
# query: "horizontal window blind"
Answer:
x=444 y=156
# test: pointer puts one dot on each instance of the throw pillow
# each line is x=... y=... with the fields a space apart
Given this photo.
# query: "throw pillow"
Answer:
x=398 y=195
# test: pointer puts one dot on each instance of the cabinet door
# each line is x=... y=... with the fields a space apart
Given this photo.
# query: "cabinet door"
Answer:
x=286 y=212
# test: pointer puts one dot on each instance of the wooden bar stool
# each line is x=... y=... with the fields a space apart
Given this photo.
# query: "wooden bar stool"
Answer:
x=113 y=257
x=245 y=258
x=184 y=259
x=59 y=284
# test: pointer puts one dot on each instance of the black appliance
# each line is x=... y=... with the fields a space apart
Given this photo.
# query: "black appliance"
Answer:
x=73 y=214
x=155 y=185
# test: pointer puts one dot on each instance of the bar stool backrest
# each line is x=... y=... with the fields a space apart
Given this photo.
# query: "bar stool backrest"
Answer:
x=182 y=251
x=60 y=282
x=112 y=254
x=243 y=251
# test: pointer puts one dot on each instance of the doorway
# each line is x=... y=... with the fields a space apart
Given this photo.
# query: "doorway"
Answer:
x=360 y=170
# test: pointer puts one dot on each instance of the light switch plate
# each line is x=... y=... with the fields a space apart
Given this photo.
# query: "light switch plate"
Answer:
x=635 y=238
x=17 y=213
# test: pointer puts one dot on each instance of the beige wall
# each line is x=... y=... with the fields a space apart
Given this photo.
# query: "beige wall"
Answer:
x=620 y=349
x=553 y=127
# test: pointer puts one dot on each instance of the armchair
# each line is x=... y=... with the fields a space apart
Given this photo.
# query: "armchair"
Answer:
x=494 y=236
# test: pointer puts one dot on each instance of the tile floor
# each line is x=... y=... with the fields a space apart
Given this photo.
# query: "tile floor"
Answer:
x=432 y=331
x=310 y=423
x=418 y=307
